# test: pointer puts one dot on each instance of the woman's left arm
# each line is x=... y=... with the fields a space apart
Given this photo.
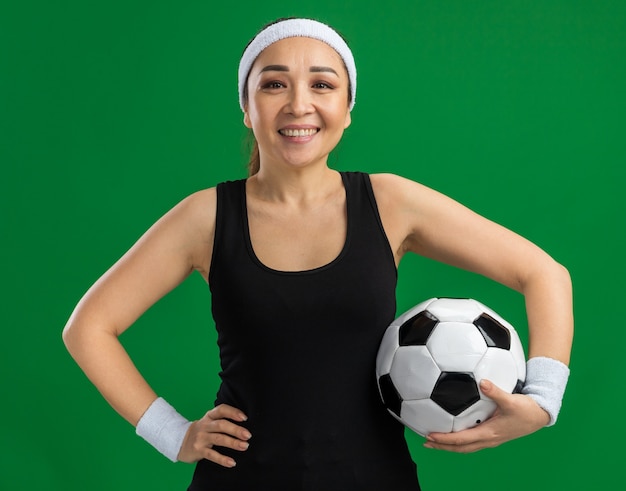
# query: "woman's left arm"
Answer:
x=420 y=220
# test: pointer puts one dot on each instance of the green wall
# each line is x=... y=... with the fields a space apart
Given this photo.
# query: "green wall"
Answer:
x=111 y=112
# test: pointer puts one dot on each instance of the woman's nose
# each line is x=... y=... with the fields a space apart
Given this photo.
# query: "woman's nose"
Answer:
x=299 y=101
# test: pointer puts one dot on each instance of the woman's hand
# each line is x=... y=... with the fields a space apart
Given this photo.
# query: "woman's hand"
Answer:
x=216 y=428
x=517 y=415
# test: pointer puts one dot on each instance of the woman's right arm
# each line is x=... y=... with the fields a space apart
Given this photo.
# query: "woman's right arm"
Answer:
x=176 y=245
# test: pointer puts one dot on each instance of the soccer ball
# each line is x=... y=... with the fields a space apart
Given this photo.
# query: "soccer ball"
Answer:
x=433 y=356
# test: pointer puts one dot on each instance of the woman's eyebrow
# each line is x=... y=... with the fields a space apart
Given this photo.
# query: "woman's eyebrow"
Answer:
x=285 y=68
x=318 y=69
x=275 y=68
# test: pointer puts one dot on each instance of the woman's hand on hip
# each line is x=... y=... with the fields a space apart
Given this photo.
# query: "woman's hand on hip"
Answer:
x=217 y=428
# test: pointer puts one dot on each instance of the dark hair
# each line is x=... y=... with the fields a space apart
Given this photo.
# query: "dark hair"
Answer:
x=254 y=162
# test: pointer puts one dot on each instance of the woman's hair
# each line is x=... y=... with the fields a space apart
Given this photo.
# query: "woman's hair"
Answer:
x=254 y=162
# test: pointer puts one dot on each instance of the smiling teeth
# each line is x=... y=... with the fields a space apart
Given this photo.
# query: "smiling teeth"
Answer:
x=307 y=132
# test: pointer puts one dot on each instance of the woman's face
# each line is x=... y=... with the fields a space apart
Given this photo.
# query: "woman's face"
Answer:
x=297 y=101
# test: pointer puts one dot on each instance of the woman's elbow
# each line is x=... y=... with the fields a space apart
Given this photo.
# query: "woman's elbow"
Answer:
x=79 y=335
x=71 y=337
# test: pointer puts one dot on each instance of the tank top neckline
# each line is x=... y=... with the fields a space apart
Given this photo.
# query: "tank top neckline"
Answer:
x=319 y=269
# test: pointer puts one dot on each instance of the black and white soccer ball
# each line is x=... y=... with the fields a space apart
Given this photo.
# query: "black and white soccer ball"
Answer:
x=433 y=356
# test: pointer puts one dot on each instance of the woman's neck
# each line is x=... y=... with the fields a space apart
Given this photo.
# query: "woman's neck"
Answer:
x=294 y=186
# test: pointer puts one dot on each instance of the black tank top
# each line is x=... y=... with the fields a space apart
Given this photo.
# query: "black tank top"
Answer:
x=298 y=354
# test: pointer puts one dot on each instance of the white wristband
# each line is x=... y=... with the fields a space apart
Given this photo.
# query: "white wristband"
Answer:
x=163 y=428
x=546 y=379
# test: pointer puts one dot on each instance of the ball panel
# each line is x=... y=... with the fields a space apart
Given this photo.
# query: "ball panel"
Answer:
x=498 y=366
x=474 y=415
x=456 y=346
x=387 y=350
x=417 y=329
x=424 y=417
x=495 y=315
x=455 y=392
x=495 y=334
x=455 y=309
x=414 y=372
x=389 y=394
x=401 y=319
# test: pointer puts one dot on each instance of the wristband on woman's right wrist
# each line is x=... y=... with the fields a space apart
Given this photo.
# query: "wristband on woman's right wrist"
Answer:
x=546 y=379
x=163 y=428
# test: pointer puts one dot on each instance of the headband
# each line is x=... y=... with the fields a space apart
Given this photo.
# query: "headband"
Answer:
x=296 y=28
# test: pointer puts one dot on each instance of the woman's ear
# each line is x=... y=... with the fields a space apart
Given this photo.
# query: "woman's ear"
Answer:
x=348 y=120
x=246 y=118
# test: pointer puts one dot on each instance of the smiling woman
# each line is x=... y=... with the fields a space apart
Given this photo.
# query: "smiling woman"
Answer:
x=301 y=261
x=306 y=29
x=302 y=99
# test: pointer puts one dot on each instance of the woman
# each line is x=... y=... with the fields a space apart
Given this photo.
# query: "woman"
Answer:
x=301 y=261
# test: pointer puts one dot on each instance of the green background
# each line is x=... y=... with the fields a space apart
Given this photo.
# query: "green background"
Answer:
x=111 y=112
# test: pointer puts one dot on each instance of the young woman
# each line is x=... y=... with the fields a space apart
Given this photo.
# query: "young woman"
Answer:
x=301 y=262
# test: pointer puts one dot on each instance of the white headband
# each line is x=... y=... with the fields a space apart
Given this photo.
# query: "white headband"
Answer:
x=296 y=28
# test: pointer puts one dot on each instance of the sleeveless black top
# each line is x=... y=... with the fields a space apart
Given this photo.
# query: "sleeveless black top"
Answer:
x=298 y=353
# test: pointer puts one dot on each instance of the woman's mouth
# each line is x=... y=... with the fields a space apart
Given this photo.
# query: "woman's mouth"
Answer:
x=298 y=133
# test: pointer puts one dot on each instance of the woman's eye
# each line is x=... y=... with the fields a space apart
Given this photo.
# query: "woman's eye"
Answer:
x=322 y=85
x=273 y=85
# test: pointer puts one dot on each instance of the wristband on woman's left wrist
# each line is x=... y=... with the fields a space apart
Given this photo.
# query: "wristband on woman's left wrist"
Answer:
x=546 y=379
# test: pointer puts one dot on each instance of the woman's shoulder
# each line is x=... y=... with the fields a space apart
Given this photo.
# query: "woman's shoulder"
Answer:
x=201 y=198
x=386 y=178
x=399 y=195
x=193 y=216
x=395 y=187
x=198 y=205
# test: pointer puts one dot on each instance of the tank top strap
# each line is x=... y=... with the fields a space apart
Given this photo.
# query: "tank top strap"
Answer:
x=229 y=237
x=364 y=217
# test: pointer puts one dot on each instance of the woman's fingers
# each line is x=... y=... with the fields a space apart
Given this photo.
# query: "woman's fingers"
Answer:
x=218 y=458
x=226 y=411
x=517 y=415
x=220 y=428
x=215 y=429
